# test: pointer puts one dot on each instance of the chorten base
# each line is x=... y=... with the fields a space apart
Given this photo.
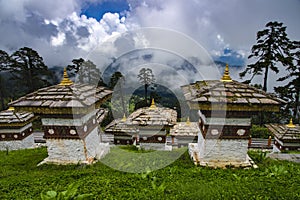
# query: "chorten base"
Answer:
x=200 y=158
x=74 y=151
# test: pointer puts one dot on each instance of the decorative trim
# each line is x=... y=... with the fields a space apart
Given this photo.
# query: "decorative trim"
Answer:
x=153 y=139
x=15 y=136
x=69 y=132
x=233 y=107
x=226 y=132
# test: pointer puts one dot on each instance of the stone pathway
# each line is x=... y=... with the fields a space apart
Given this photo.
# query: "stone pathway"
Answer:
x=285 y=156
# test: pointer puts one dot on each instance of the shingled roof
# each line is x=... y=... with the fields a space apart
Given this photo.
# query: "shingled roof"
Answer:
x=285 y=133
x=233 y=95
x=147 y=116
x=67 y=95
x=11 y=118
x=153 y=116
x=119 y=126
x=185 y=129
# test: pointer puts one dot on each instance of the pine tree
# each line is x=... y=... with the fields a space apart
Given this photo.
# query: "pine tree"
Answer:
x=86 y=72
x=273 y=47
x=116 y=83
x=5 y=64
x=29 y=70
x=146 y=77
x=75 y=67
x=291 y=91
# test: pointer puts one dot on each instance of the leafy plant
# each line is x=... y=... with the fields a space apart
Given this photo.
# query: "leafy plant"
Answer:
x=276 y=170
x=69 y=194
x=258 y=156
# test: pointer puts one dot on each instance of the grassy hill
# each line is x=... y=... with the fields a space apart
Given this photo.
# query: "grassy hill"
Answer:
x=21 y=178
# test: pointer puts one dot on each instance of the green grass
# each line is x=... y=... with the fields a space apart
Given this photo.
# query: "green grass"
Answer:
x=291 y=152
x=21 y=178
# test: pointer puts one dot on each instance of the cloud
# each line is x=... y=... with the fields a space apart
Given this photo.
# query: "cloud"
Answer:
x=60 y=32
x=217 y=24
x=55 y=28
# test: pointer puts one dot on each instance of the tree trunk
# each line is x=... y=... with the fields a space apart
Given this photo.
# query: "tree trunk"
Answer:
x=30 y=77
x=266 y=79
x=122 y=100
x=146 y=88
x=296 y=108
x=2 y=94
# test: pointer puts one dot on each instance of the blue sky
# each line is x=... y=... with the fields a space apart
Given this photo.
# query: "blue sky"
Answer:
x=98 y=9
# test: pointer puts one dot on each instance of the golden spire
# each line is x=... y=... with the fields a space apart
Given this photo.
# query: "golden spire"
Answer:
x=11 y=108
x=66 y=81
x=226 y=77
x=153 y=106
x=188 y=121
x=124 y=118
x=291 y=125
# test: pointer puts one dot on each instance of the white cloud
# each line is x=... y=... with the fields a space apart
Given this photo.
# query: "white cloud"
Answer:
x=58 y=40
x=58 y=32
x=213 y=23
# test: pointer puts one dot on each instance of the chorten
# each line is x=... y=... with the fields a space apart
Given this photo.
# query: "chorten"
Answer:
x=225 y=108
x=70 y=115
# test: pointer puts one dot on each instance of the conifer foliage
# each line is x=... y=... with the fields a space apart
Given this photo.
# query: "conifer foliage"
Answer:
x=273 y=47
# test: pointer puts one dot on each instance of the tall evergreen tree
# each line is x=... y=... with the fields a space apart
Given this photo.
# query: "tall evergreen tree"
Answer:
x=291 y=91
x=86 y=72
x=116 y=83
x=29 y=70
x=5 y=61
x=5 y=64
x=75 y=67
x=273 y=46
x=146 y=77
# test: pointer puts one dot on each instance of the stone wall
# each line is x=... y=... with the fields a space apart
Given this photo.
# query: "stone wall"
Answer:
x=65 y=150
x=224 y=150
x=154 y=146
x=95 y=149
x=76 y=150
x=26 y=143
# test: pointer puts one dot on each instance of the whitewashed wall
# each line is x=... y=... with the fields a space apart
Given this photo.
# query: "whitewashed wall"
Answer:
x=26 y=143
x=154 y=146
x=73 y=150
x=225 y=150
x=95 y=149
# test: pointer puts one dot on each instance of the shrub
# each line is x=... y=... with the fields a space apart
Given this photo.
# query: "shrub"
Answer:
x=260 y=132
x=258 y=156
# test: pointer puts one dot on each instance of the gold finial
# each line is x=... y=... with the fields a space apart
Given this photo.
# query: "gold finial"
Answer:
x=291 y=125
x=124 y=118
x=226 y=77
x=153 y=106
x=65 y=81
x=188 y=121
x=11 y=108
